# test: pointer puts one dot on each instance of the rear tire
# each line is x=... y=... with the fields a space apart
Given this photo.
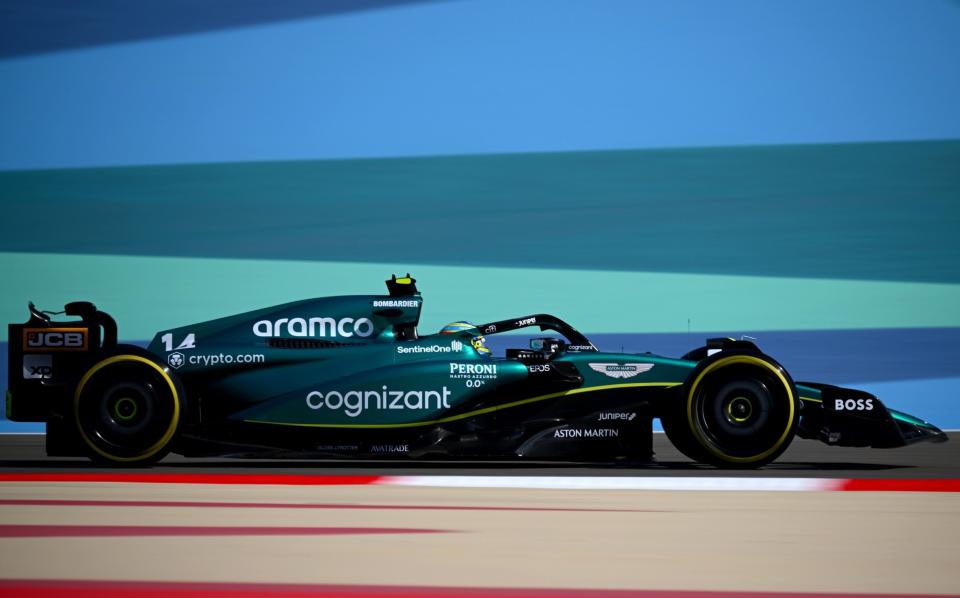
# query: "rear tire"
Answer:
x=127 y=409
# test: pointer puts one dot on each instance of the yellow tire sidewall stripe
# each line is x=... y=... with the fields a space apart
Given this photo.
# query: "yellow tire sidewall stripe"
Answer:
x=731 y=360
x=167 y=435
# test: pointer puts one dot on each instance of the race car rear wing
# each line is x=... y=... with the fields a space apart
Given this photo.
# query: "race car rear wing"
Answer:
x=46 y=357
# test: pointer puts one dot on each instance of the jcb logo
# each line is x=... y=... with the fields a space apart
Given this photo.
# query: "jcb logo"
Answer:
x=55 y=339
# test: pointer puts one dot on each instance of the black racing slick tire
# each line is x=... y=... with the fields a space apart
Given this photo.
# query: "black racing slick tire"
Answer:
x=736 y=411
x=679 y=435
x=127 y=409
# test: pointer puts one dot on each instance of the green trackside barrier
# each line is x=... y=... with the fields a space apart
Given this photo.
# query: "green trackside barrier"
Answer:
x=857 y=211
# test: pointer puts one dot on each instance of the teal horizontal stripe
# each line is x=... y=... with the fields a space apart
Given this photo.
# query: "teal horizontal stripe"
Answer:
x=874 y=211
x=146 y=294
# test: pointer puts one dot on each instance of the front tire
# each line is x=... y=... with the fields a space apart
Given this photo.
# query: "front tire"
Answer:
x=738 y=411
x=127 y=409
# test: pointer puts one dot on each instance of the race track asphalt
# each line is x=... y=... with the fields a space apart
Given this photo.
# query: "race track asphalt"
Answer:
x=804 y=458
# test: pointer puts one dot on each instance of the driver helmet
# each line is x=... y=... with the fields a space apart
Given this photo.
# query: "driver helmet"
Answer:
x=455 y=327
x=477 y=342
x=480 y=344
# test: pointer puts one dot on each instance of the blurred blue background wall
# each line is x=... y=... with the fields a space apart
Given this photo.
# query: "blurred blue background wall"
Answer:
x=653 y=172
x=136 y=83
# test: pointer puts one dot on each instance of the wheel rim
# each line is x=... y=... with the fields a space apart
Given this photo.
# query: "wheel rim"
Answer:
x=125 y=409
x=734 y=410
x=739 y=410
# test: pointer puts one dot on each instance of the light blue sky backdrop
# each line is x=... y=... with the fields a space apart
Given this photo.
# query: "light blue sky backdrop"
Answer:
x=478 y=76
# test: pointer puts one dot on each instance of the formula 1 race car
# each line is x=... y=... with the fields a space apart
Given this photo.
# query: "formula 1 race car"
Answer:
x=350 y=377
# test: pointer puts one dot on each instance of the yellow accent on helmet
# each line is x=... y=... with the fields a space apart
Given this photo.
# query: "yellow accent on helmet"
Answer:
x=478 y=344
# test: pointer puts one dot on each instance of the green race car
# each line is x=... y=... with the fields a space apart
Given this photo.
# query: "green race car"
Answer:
x=351 y=377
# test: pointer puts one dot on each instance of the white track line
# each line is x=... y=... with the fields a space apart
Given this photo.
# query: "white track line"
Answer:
x=619 y=483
